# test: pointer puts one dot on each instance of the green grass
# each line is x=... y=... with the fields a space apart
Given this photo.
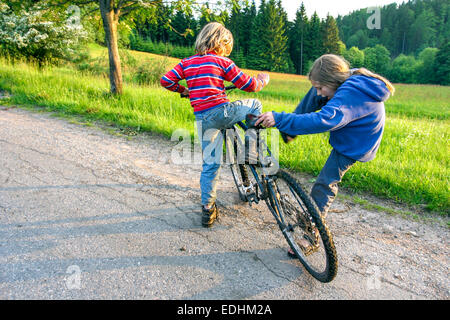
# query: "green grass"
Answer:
x=412 y=165
x=66 y=90
x=420 y=101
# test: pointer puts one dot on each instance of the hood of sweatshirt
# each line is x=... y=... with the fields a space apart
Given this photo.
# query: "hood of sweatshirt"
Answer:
x=372 y=87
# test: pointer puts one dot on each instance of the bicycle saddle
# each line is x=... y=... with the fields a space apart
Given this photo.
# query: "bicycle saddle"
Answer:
x=251 y=119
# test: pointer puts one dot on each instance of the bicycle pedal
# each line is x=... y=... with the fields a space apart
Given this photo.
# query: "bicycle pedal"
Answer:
x=250 y=203
x=266 y=162
x=252 y=199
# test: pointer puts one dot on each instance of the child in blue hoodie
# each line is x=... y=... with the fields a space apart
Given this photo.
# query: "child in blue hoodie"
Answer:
x=351 y=104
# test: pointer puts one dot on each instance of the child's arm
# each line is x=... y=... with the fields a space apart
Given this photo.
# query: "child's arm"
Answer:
x=311 y=102
x=333 y=116
x=244 y=81
x=170 y=80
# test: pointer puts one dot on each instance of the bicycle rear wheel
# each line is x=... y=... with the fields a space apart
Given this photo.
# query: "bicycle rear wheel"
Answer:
x=301 y=223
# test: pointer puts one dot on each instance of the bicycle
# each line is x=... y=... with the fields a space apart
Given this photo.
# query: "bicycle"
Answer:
x=292 y=207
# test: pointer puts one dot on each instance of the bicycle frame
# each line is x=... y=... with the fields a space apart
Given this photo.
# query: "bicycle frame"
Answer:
x=266 y=187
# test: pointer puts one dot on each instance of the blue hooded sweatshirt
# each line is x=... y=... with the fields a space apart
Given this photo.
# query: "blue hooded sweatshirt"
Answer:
x=354 y=116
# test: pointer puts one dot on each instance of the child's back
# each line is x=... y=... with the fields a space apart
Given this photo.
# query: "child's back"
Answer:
x=205 y=76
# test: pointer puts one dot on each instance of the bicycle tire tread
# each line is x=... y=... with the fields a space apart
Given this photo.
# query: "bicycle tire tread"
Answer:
x=321 y=226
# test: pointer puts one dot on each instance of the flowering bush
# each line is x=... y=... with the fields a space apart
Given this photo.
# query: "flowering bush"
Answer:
x=30 y=35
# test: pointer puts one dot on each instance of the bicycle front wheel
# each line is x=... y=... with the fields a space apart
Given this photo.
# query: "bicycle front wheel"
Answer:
x=303 y=226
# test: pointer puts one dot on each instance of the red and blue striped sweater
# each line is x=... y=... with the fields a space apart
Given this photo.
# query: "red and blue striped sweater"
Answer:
x=205 y=76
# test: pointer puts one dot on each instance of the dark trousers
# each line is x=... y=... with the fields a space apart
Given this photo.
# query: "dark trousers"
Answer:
x=325 y=188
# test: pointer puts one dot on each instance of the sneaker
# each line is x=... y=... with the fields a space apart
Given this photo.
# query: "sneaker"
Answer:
x=286 y=138
x=209 y=216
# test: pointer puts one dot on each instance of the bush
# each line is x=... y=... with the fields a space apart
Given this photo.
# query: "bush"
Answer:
x=404 y=69
x=377 y=59
x=355 y=57
x=29 y=35
x=150 y=72
x=426 y=66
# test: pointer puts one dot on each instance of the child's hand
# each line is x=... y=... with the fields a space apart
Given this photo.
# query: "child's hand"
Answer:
x=264 y=77
x=185 y=93
x=266 y=119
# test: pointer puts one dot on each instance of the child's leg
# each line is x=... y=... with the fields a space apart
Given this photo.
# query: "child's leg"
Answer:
x=209 y=126
x=325 y=188
x=237 y=110
x=212 y=158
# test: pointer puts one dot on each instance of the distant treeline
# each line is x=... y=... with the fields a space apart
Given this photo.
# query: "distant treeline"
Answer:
x=411 y=45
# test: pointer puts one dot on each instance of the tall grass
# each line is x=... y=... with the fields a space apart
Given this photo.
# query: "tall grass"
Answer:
x=72 y=92
x=411 y=166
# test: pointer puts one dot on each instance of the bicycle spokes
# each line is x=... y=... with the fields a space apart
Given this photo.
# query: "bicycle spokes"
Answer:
x=295 y=216
x=300 y=222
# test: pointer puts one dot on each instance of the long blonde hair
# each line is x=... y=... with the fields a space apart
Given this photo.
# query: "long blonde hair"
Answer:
x=214 y=37
x=332 y=70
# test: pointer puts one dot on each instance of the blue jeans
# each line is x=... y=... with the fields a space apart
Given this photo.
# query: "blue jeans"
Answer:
x=325 y=188
x=209 y=124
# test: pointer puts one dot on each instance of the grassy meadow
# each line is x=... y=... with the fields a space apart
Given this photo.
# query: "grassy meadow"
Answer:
x=412 y=165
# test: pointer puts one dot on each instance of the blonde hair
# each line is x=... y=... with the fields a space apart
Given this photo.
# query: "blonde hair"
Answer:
x=214 y=37
x=332 y=70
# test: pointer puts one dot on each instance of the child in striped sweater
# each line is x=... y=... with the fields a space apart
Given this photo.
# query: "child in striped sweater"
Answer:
x=205 y=74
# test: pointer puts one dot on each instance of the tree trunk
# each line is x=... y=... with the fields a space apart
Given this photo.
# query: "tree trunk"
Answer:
x=110 y=21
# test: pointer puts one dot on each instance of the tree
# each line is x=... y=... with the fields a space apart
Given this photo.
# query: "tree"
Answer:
x=442 y=13
x=377 y=59
x=313 y=43
x=248 y=20
x=330 y=36
x=297 y=40
x=355 y=57
x=404 y=69
x=235 y=25
x=405 y=28
x=276 y=58
x=182 y=21
x=423 y=30
x=359 y=39
x=426 y=68
x=442 y=64
x=258 y=45
x=342 y=47
x=268 y=43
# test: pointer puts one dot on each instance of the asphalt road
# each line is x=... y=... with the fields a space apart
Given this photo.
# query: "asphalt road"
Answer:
x=86 y=214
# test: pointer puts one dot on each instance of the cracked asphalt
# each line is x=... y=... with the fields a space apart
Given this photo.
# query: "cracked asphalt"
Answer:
x=85 y=214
